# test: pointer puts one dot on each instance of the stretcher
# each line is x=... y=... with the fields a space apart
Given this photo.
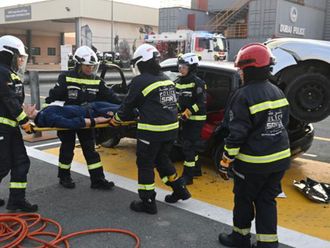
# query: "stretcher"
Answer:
x=101 y=125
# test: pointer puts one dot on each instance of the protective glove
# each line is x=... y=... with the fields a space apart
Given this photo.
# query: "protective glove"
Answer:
x=186 y=114
x=225 y=165
x=28 y=127
x=114 y=122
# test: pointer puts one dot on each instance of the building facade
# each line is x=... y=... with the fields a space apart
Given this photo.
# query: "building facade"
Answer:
x=103 y=24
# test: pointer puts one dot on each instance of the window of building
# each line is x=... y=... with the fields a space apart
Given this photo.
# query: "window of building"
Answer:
x=51 y=51
x=35 y=50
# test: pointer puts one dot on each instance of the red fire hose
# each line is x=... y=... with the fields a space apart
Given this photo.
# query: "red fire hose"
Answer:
x=18 y=227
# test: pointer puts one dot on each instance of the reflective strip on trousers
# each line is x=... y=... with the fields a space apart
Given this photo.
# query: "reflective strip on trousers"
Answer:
x=184 y=86
x=232 y=151
x=196 y=158
x=170 y=178
x=268 y=105
x=264 y=159
x=83 y=81
x=197 y=117
x=8 y=122
x=267 y=238
x=156 y=85
x=64 y=166
x=94 y=166
x=147 y=186
x=157 y=128
x=189 y=163
x=21 y=116
x=17 y=185
x=242 y=231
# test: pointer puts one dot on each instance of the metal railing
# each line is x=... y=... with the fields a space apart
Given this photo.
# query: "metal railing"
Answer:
x=220 y=19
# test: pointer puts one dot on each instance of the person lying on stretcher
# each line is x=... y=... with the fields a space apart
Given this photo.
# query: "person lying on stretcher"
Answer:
x=59 y=115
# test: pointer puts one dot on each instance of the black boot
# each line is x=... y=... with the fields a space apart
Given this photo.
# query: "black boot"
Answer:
x=180 y=192
x=102 y=183
x=147 y=204
x=22 y=205
x=2 y=202
x=235 y=240
x=188 y=175
x=17 y=201
x=197 y=169
x=67 y=182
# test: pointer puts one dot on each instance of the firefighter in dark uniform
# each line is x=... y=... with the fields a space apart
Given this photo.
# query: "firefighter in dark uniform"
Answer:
x=153 y=94
x=192 y=105
x=13 y=154
x=258 y=147
x=79 y=87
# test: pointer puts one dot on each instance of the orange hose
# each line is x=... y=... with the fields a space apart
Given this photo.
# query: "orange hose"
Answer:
x=15 y=228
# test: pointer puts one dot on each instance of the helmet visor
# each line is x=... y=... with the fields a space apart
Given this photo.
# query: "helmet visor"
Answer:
x=90 y=70
x=18 y=65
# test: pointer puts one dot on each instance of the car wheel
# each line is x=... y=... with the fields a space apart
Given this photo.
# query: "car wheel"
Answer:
x=217 y=155
x=176 y=154
x=308 y=95
x=110 y=143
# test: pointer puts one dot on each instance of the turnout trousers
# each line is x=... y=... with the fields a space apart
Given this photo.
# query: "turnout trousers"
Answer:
x=15 y=160
x=150 y=155
x=87 y=142
x=255 y=198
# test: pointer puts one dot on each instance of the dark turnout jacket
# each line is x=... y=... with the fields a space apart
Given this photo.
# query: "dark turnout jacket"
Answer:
x=154 y=97
x=258 y=117
x=11 y=98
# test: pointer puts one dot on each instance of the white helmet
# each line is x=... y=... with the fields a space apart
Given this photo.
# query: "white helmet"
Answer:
x=13 y=45
x=16 y=48
x=188 y=59
x=144 y=53
x=85 y=56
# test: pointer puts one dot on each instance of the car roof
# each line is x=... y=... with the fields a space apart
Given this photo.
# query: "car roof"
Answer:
x=278 y=42
x=222 y=65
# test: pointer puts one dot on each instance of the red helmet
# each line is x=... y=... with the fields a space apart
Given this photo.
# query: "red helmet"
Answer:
x=254 y=54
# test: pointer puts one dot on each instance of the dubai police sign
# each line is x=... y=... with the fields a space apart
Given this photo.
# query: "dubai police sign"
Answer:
x=290 y=29
x=18 y=13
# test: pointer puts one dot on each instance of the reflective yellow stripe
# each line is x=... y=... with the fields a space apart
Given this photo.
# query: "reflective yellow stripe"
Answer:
x=14 y=76
x=196 y=158
x=170 y=178
x=7 y=121
x=232 y=151
x=189 y=164
x=197 y=117
x=268 y=105
x=195 y=107
x=264 y=159
x=155 y=85
x=244 y=231
x=17 y=185
x=64 y=166
x=158 y=128
x=21 y=116
x=146 y=186
x=184 y=86
x=267 y=237
x=94 y=166
x=83 y=81
x=165 y=179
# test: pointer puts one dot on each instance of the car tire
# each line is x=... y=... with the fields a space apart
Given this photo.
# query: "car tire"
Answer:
x=112 y=142
x=308 y=95
x=176 y=154
x=217 y=155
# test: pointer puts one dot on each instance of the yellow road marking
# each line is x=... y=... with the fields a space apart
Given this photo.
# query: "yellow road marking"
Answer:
x=295 y=212
x=321 y=138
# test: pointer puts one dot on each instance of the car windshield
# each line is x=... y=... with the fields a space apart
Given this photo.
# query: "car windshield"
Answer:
x=171 y=74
